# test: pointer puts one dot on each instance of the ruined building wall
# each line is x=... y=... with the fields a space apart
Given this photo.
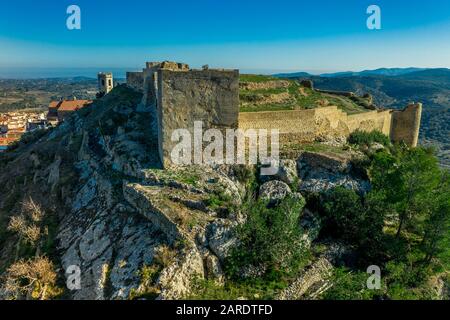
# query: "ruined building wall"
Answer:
x=210 y=96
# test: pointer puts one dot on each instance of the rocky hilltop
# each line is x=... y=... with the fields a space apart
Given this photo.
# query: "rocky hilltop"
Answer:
x=137 y=231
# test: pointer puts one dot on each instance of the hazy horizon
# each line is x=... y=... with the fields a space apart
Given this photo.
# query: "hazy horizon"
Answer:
x=120 y=72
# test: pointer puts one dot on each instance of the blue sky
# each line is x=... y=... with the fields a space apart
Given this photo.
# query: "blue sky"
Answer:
x=260 y=36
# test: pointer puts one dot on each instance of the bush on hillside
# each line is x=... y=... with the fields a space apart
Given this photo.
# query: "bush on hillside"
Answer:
x=361 y=138
x=270 y=239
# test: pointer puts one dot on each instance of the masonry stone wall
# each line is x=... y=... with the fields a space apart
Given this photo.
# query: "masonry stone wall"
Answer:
x=135 y=80
x=210 y=96
x=406 y=124
x=304 y=126
x=369 y=121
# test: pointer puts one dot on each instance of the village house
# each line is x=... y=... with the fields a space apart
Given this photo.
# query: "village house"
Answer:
x=14 y=124
x=60 y=110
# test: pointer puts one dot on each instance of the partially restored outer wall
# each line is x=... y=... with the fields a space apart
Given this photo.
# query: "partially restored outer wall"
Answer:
x=369 y=121
x=211 y=96
x=135 y=80
x=406 y=124
x=306 y=125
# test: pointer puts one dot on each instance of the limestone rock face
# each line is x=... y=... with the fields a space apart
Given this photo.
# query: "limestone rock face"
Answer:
x=274 y=190
x=175 y=279
x=316 y=275
x=214 y=269
x=117 y=208
x=287 y=172
x=321 y=172
x=53 y=175
x=221 y=238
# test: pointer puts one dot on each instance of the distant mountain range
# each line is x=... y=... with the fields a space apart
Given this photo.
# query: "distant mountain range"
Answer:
x=390 y=72
x=395 y=88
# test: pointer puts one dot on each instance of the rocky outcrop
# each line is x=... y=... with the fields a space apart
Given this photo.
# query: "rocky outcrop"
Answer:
x=320 y=172
x=316 y=275
x=117 y=208
x=220 y=238
x=274 y=190
x=287 y=172
x=175 y=280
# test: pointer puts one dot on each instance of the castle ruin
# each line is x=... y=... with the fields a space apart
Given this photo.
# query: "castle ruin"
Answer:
x=179 y=96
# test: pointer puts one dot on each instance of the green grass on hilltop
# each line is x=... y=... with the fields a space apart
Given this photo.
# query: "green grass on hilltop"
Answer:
x=299 y=98
x=256 y=78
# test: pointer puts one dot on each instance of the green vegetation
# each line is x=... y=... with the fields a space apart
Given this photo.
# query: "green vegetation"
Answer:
x=292 y=97
x=219 y=199
x=363 y=138
x=252 y=289
x=401 y=225
x=267 y=107
x=36 y=94
x=149 y=274
x=270 y=238
x=255 y=78
x=318 y=147
x=354 y=219
x=349 y=285
x=269 y=256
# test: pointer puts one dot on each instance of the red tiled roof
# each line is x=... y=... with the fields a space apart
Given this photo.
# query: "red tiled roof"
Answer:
x=73 y=105
x=69 y=105
x=54 y=104
x=4 y=141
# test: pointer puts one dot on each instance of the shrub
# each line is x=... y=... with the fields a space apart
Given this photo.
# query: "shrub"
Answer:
x=149 y=274
x=405 y=281
x=361 y=138
x=32 y=279
x=356 y=219
x=343 y=213
x=349 y=285
x=270 y=239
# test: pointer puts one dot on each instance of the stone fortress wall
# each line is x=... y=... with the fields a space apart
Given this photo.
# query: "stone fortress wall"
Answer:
x=306 y=125
x=180 y=95
x=405 y=124
x=135 y=80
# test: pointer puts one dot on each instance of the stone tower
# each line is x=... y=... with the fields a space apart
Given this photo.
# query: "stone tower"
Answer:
x=180 y=96
x=105 y=82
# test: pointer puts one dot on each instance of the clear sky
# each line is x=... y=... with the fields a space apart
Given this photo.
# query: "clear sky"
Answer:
x=261 y=36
